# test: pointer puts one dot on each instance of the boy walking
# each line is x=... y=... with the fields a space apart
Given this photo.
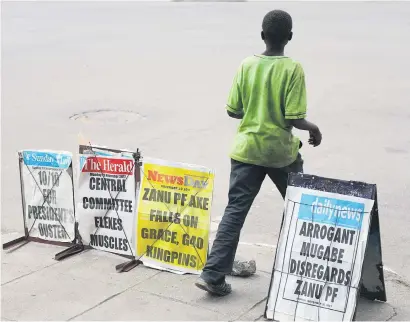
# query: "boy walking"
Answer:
x=269 y=95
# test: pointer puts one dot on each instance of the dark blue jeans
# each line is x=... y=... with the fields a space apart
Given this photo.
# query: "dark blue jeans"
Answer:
x=245 y=183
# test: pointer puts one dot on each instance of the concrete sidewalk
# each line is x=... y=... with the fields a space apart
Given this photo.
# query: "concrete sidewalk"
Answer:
x=87 y=287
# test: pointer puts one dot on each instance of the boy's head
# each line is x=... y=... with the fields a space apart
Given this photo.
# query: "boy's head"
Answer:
x=277 y=28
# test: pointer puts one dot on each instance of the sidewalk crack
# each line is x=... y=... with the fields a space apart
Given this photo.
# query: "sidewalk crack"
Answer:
x=111 y=297
x=253 y=306
x=30 y=273
x=180 y=301
x=394 y=312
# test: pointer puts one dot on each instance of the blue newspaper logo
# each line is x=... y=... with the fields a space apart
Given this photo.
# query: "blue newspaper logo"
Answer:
x=47 y=159
x=331 y=211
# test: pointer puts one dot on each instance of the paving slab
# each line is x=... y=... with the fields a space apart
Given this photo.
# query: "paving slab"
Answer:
x=136 y=305
x=171 y=296
x=398 y=296
x=26 y=260
x=246 y=292
x=262 y=254
x=373 y=310
x=50 y=295
x=256 y=313
x=7 y=236
x=94 y=265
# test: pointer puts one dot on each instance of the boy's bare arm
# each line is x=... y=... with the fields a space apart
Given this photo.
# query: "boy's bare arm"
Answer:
x=315 y=134
x=303 y=124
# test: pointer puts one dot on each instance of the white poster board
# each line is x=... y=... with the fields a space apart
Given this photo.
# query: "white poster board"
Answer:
x=47 y=192
x=319 y=258
x=106 y=202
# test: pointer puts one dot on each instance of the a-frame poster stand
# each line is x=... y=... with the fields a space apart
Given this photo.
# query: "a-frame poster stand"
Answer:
x=96 y=152
x=285 y=301
x=47 y=195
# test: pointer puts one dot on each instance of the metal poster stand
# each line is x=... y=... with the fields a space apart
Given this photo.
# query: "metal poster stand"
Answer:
x=23 y=240
x=79 y=246
x=372 y=284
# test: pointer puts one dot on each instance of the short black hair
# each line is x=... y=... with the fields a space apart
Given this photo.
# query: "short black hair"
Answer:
x=277 y=26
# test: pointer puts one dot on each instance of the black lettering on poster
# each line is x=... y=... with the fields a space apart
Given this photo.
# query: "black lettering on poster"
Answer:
x=53 y=218
x=160 y=234
x=109 y=242
x=107 y=184
x=333 y=253
x=315 y=290
x=99 y=203
x=156 y=195
x=47 y=213
x=193 y=201
x=172 y=257
x=332 y=234
x=52 y=231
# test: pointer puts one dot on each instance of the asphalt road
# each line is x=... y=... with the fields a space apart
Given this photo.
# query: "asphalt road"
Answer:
x=173 y=64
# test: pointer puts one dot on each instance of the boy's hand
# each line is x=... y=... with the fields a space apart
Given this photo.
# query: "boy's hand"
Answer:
x=315 y=137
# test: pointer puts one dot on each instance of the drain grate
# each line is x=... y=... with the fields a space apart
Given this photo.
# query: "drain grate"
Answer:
x=107 y=116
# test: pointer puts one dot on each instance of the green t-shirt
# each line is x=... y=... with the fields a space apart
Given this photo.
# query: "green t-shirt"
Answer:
x=269 y=91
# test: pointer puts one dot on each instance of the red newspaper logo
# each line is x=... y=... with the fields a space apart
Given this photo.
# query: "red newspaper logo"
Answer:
x=188 y=181
x=164 y=178
x=108 y=166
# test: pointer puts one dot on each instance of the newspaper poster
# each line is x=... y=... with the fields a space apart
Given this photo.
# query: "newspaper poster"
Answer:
x=47 y=191
x=174 y=211
x=106 y=202
x=319 y=258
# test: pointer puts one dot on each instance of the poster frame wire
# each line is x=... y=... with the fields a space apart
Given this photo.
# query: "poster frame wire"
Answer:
x=19 y=242
x=180 y=210
x=80 y=246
